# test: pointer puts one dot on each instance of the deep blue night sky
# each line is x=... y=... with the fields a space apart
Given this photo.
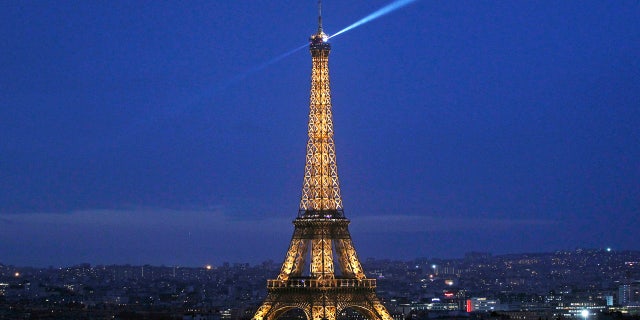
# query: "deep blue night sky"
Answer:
x=137 y=132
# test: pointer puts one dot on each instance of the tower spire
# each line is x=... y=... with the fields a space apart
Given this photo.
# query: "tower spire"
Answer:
x=319 y=39
x=319 y=16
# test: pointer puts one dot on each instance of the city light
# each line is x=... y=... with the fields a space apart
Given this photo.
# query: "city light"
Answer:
x=584 y=314
x=168 y=284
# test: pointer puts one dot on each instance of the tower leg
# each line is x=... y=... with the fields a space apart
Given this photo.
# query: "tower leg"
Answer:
x=262 y=312
x=381 y=311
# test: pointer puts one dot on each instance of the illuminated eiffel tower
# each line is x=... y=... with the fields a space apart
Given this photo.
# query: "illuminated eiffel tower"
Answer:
x=321 y=229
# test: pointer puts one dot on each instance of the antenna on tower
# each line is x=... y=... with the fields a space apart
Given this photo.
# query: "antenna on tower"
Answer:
x=319 y=16
x=319 y=38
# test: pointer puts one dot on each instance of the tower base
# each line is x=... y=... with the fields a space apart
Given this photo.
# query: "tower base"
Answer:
x=322 y=299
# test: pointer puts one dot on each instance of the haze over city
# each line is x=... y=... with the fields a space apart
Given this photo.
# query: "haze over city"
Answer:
x=151 y=133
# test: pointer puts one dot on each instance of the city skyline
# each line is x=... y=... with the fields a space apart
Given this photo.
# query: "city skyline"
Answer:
x=529 y=286
x=152 y=133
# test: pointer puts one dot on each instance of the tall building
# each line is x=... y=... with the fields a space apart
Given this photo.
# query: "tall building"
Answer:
x=629 y=293
x=309 y=279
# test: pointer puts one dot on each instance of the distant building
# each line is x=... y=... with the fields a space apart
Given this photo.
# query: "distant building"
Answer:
x=629 y=294
x=578 y=309
x=482 y=305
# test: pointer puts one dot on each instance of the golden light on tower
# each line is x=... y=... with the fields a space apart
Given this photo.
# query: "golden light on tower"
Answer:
x=321 y=229
x=320 y=187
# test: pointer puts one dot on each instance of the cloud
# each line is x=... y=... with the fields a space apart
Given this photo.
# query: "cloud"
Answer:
x=213 y=219
x=193 y=237
x=139 y=236
x=426 y=223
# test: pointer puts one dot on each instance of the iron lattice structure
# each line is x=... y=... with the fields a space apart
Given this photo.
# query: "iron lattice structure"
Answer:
x=321 y=229
x=320 y=187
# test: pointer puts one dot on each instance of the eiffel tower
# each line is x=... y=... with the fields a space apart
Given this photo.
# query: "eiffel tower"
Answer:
x=321 y=231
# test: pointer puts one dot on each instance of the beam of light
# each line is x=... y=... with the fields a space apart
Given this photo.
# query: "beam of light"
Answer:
x=260 y=67
x=376 y=14
x=196 y=99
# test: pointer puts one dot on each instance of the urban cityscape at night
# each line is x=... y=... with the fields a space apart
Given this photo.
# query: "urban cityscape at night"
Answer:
x=552 y=285
x=491 y=138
